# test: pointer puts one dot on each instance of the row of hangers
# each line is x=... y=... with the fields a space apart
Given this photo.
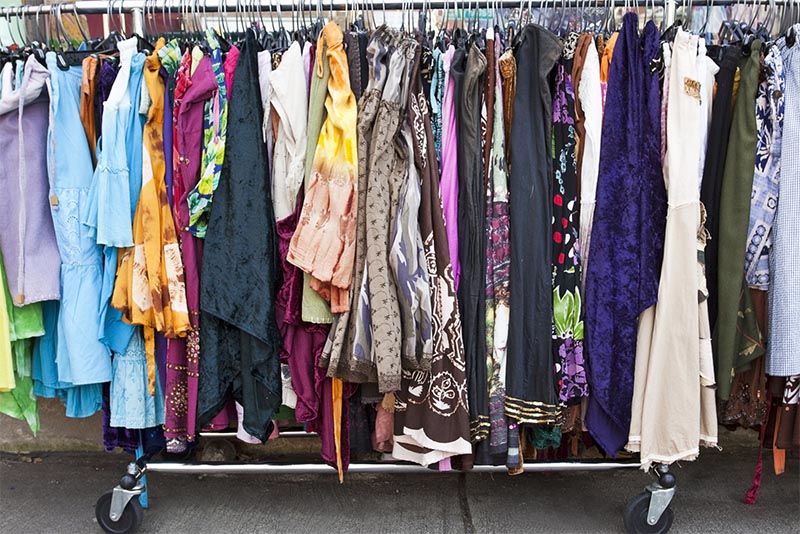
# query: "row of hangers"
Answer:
x=743 y=23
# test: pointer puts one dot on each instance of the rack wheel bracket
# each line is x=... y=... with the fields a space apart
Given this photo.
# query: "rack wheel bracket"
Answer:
x=649 y=512
x=119 y=510
x=659 y=502
x=120 y=498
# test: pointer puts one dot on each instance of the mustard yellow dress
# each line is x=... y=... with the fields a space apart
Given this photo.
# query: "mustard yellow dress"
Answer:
x=150 y=289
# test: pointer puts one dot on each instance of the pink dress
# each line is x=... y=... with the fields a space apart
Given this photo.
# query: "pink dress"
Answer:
x=449 y=179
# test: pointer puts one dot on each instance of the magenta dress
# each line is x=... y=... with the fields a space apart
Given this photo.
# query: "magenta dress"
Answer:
x=449 y=180
x=183 y=353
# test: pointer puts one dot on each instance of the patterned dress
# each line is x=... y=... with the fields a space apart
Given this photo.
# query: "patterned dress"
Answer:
x=764 y=201
x=567 y=304
x=215 y=126
x=431 y=417
x=498 y=252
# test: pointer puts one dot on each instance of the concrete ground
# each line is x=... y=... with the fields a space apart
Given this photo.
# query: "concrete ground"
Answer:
x=56 y=492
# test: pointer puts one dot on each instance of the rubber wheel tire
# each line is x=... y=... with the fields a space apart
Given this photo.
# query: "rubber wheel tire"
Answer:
x=131 y=518
x=636 y=516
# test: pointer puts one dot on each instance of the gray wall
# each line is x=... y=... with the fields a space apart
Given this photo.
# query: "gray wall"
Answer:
x=57 y=431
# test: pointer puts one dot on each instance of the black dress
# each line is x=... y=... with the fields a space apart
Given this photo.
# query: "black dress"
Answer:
x=239 y=337
x=469 y=72
x=530 y=381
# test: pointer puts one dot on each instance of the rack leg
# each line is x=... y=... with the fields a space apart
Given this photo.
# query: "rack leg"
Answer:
x=143 y=480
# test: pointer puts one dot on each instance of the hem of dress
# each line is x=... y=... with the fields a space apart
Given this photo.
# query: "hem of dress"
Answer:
x=479 y=428
x=354 y=371
x=424 y=459
x=434 y=450
x=35 y=299
x=524 y=411
x=685 y=456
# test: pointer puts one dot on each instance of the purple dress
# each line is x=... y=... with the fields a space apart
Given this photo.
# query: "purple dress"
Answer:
x=27 y=235
x=183 y=353
x=628 y=233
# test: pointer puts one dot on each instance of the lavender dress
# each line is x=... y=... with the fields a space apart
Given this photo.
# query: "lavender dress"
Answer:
x=628 y=233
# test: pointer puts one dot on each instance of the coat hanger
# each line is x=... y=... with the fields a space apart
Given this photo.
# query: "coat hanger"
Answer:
x=7 y=15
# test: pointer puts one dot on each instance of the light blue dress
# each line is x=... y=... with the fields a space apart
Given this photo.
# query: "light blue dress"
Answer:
x=783 y=349
x=124 y=150
x=67 y=363
x=131 y=404
x=81 y=359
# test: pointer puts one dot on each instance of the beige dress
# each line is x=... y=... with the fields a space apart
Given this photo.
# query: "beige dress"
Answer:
x=673 y=408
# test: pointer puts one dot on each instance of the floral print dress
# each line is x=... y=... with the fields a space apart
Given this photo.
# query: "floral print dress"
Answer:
x=567 y=306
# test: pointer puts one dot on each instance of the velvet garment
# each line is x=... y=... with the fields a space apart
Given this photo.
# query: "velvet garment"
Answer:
x=628 y=232
x=238 y=331
x=530 y=388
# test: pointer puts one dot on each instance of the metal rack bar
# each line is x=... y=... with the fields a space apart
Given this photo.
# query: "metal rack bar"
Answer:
x=100 y=7
x=374 y=468
x=284 y=434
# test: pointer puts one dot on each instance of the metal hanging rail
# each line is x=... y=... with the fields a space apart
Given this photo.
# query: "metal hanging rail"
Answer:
x=139 y=8
x=100 y=7
x=97 y=7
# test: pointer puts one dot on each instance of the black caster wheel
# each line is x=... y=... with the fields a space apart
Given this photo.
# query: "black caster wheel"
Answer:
x=131 y=518
x=636 y=516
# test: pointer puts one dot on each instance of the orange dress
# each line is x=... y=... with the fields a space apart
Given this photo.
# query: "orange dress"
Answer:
x=149 y=289
x=324 y=243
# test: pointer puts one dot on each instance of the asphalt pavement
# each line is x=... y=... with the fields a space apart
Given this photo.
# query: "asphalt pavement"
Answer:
x=56 y=492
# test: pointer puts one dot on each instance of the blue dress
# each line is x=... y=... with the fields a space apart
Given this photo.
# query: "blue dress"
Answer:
x=80 y=360
x=628 y=233
x=117 y=182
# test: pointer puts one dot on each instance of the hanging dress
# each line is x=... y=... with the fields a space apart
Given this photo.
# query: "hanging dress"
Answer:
x=783 y=354
x=449 y=166
x=469 y=70
x=497 y=273
x=734 y=205
x=81 y=358
x=188 y=142
x=673 y=407
x=323 y=244
x=431 y=410
x=26 y=229
x=716 y=153
x=119 y=166
x=240 y=339
x=531 y=395
x=591 y=105
x=383 y=196
x=567 y=295
x=627 y=232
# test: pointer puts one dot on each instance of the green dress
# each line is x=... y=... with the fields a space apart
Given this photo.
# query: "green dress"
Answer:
x=18 y=327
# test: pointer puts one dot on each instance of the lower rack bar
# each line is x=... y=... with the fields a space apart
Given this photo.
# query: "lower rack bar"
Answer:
x=374 y=468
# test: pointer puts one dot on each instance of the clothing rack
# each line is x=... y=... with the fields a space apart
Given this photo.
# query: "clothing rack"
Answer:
x=127 y=499
x=138 y=8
